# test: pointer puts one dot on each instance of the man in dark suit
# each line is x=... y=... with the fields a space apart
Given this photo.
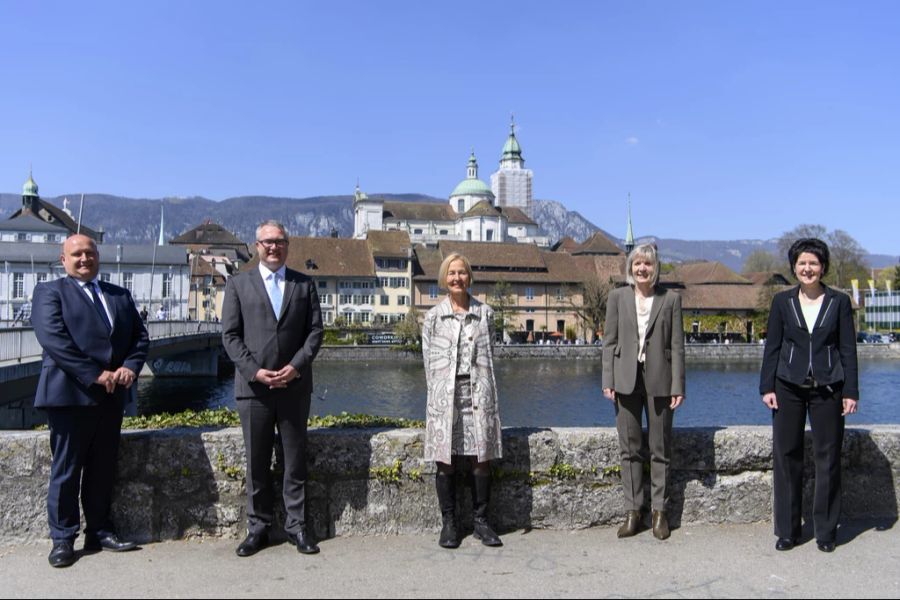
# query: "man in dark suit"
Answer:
x=94 y=348
x=272 y=330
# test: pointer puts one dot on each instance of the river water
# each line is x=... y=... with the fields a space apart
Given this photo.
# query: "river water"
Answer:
x=533 y=392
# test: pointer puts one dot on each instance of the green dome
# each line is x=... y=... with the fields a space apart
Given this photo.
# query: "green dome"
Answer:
x=511 y=148
x=30 y=188
x=472 y=187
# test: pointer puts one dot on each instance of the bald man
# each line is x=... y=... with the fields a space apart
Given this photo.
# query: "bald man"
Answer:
x=94 y=345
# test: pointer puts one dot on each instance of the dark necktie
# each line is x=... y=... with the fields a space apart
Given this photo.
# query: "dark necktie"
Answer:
x=98 y=305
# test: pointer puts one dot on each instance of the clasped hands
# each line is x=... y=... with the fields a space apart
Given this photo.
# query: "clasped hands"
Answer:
x=110 y=379
x=277 y=379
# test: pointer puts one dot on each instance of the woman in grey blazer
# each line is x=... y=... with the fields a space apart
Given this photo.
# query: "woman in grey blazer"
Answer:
x=643 y=371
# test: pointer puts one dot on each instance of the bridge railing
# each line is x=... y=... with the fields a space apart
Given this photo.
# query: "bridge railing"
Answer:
x=19 y=344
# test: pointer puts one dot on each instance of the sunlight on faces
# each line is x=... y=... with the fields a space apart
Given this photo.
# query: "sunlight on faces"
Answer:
x=272 y=246
x=457 y=277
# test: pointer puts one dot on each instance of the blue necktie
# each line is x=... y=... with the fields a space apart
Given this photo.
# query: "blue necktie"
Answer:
x=275 y=295
x=98 y=305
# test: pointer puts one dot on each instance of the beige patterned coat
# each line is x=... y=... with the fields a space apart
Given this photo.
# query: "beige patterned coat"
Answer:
x=440 y=334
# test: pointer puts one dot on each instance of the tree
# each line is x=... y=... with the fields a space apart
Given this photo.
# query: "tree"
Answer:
x=798 y=232
x=409 y=330
x=503 y=300
x=763 y=262
x=847 y=258
x=591 y=310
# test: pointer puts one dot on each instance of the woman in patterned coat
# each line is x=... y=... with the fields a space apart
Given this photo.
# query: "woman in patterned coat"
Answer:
x=462 y=414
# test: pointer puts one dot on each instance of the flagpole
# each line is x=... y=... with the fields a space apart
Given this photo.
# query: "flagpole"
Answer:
x=80 y=212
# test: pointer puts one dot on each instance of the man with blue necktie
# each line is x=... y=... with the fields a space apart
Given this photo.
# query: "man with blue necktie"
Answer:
x=94 y=346
x=272 y=331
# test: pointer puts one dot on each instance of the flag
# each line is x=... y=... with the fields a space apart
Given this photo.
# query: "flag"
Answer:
x=872 y=286
x=854 y=283
x=888 y=283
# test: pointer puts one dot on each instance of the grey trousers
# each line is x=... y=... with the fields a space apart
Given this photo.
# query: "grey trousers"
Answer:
x=287 y=410
x=632 y=448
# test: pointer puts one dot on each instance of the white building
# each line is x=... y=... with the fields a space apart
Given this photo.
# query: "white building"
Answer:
x=154 y=281
x=472 y=212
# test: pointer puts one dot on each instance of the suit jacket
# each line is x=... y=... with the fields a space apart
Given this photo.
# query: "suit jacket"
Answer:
x=77 y=345
x=254 y=339
x=829 y=352
x=663 y=344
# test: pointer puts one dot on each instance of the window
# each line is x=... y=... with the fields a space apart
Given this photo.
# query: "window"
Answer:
x=529 y=325
x=529 y=293
x=326 y=299
x=443 y=232
x=403 y=300
x=322 y=284
x=364 y=317
x=105 y=277
x=489 y=235
x=329 y=317
x=42 y=277
x=460 y=206
x=385 y=300
x=559 y=295
x=417 y=231
x=18 y=285
x=128 y=281
x=561 y=325
x=469 y=235
x=167 y=285
x=21 y=237
x=432 y=291
x=346 y=299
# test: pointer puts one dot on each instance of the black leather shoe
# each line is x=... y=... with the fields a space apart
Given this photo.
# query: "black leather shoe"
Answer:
x=449 y=533
x=110 y=542
x=484 y=533
x=62 y=554
x=784 y=544
x=253 y=543
x=304 y=542
x=825 y=546
x=631 y=525
x=660 y=525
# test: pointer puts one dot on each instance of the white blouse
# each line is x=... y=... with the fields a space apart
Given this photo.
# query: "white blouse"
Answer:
x=642 y=306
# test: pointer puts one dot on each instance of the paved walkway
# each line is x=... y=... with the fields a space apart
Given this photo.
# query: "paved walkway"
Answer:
x=698 y=561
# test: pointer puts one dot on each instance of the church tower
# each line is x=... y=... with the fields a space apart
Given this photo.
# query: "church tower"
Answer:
x=511 y=184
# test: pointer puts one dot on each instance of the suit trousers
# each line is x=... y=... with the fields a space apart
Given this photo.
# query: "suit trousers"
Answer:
x=288 y=410
x=84 y=442
x=633 y=449
x=824 y=405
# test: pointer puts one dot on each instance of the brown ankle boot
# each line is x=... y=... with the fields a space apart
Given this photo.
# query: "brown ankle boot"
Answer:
x=660 y=525
x=631 y=525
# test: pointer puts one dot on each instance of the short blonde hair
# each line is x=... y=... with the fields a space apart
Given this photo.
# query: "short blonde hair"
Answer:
x=644 y=251
x=445 y=266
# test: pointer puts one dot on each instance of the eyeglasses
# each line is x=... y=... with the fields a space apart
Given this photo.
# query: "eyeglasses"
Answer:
x=279 y=243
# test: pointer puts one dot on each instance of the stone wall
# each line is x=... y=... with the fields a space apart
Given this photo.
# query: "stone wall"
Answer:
x=189 y=482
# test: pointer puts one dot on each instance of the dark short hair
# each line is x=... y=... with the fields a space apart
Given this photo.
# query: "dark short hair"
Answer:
x=813 y=246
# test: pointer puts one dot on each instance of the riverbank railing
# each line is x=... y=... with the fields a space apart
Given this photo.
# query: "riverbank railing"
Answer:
x=19 y=344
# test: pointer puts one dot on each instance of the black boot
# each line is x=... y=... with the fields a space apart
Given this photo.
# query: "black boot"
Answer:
x=445 y=483
x=481 y=497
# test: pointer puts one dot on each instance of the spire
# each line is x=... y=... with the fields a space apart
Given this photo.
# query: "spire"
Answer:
x=511 y=149
x=161 y=241
x=629 y=234
x=472 y=171
x=30 y=188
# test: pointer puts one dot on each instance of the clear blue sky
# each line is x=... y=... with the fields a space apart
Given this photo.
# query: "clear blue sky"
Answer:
x=724 y=120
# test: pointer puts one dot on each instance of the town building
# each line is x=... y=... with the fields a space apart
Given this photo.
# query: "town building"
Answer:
x=473 y=212
x=156 y=276
x=38 y=221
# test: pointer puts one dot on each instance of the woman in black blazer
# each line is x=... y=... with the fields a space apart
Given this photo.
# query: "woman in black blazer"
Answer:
x=809 y=366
